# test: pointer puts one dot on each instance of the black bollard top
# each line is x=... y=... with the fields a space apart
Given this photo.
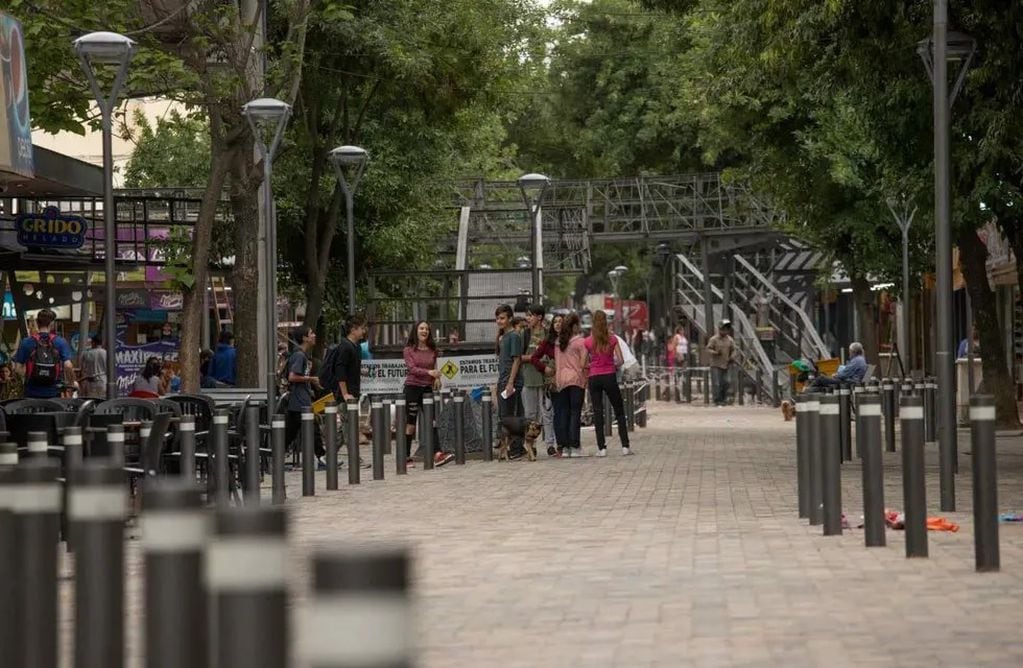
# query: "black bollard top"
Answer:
x=353 y=571
x=829 y=404
x=187 y=423
x=251 y=521
x=982 y=407
x=870 y=399
x=170 y=493
x=911 y=408
x=32 y=471
x=353 y=406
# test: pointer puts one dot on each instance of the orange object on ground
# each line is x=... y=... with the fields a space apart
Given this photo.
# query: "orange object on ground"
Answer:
x=941 y=524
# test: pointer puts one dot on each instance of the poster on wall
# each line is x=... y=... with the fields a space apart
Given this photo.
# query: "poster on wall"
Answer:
x=15 y=123
x=132 y=359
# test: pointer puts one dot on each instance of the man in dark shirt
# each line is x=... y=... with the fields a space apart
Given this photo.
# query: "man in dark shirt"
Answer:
x=349 y=359
x=58 y=350
x=301 y=383
x=509 y=380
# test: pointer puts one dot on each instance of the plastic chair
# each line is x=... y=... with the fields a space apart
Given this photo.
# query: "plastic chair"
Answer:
x=33 y=406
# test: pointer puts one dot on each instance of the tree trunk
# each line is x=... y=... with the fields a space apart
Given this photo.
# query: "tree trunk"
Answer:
x=245 y=275
x=997 y=380
x=866 y=318
x=192 y=307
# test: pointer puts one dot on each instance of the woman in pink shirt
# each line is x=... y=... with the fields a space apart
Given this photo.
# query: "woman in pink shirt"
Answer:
x=421 y=374
x=605 y=358
x=570 y=379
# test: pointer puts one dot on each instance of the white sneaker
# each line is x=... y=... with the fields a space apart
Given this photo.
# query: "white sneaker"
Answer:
x=626 y=452
x=602 y=452
x=576 y=452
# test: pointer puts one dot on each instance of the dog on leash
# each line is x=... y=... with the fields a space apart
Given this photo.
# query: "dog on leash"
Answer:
x=518 y=426
x=788 y=410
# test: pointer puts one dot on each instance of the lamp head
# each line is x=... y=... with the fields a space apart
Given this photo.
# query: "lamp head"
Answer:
x=960 y=46
x=104 y=47
x=621 y=269
x=348 y=155
x=266 y=109
x=533 y=181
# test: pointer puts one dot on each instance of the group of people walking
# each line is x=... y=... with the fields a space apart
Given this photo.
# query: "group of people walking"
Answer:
x=544 y=373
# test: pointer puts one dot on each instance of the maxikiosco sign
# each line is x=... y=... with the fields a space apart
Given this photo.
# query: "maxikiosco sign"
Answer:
x=50 y=229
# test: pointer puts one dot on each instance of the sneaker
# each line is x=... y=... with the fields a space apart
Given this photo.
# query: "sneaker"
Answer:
x=575 y=452
x=626 y=452
x=516 y=454
x=602 y=452
x=552 y=451
x=320 y=464
x=442 y=458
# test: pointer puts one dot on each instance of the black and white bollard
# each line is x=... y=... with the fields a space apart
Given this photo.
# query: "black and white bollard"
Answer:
x=330 y=443
x=831 y=464
x=221 y=466
x=888 y=410
x=642 y=399
x=868 y=444
x=985 y=483
x=387 y=426
x=352 y=436
x=400 y=438
x=35 y=500
x=186 y=431
x=707 y=386
x=8 y=619
x=277 y=430
x=174 y=532
x=73 y=456
x=360 y=614
x=802 y=459
x=97 y=507
x=459 y=404
x=913 y=484
x=929 y=390
x=308 y=453
x=630 y=406
x=426 y=433
x=687 y=387
x=487 y=426
x=845 y=426
x=38 y=444
x=246 y=573
x=253 y=438
x=376 y=421
x=814 y=454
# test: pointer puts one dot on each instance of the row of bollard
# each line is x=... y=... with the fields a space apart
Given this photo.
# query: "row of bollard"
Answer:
x=215 y=580
x=823 y=442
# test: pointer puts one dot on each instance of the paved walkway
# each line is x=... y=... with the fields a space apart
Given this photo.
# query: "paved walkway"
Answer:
x=687 y=554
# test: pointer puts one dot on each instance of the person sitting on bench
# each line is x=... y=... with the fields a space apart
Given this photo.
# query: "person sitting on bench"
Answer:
x=851 y=372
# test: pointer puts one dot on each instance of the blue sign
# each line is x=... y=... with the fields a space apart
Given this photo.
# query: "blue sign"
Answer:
x=51 y=229
x=9 y=313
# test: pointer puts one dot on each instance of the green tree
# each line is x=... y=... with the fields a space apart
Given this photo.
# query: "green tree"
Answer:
x=176 y=153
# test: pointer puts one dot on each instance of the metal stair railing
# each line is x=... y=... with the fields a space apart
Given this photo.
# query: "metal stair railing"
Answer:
x=790 y=322
x=750 y=353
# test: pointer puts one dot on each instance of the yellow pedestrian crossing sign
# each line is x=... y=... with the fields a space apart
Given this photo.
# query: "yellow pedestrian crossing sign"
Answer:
x=450 y=370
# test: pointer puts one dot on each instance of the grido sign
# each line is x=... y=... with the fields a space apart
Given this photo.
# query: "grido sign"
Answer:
x=466 y=372
x=51 y=229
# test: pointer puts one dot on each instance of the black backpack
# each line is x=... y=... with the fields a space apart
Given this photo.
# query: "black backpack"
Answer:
x=329 y=372
x=44 y=363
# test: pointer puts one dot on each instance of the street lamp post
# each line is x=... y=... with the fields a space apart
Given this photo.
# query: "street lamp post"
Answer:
x=533 y=188
x=352 y=159
x=112 y=49
x=268 y=117
x=664 y=255
x=904 y=218
x=936 y=53
x=615 y=275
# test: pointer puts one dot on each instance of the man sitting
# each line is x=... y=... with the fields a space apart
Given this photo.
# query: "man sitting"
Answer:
x=852 y=371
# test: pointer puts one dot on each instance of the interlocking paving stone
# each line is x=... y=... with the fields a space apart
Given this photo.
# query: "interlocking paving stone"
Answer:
x=689 y=553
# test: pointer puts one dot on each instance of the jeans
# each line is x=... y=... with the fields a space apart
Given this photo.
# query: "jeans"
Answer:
x=511 y=407
x=568 y=412
x=599 y=386
x=538 y=409
x=719 y=377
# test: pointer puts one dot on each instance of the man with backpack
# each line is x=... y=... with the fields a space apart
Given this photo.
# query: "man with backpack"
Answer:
x=44 y=359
